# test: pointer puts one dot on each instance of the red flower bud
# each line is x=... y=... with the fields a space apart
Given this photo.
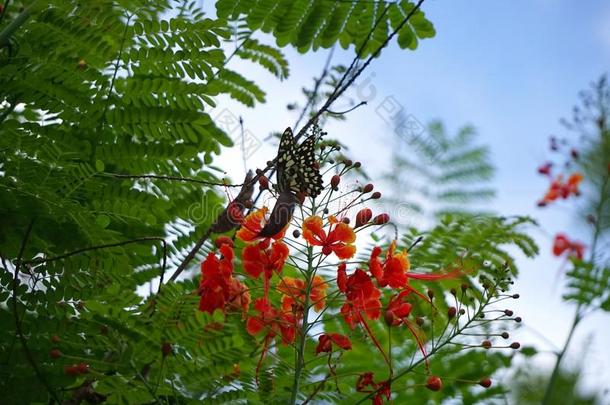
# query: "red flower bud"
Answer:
x=376 y=195
x=83 y=368
x=508 y=312
x=71 y=370
x=223 y=240
x=326 y=250
x=55 y=339
x=367 y=188
x=55 y=354
x=363 y=217
x=515 y=345
x=166 y=349
x=345 y=220
x=486 y=344
x=381 y=219
x=419 y=321
x=485 y=382
x=434 y=383
x=335 y=180
x=348 y=162
x=263 y=181
x=451 y=312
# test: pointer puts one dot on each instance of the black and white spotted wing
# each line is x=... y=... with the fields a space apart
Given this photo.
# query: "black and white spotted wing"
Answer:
x=297 y=169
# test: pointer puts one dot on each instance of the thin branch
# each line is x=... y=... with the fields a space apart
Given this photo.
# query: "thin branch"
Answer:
x=348 y=110
x=191 y=255
x=169 y=178
x=97 y=247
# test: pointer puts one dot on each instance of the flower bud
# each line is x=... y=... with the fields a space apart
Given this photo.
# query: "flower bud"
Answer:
x=485 y=382
x=82 y=64
x=453 y=291
x=363 y=217
x=515 y=345
x=451 y=312
x=348 y=162
x=505 y=335
x=55 y=339
x=263 y=181
x=166 y=349
x=381 y=219
x=518 y=319
x=376 y=195
x=486 y=344
x=508 y=312
x=55 y=354
x=462 y=311
x=296 y=233
x=335 y=180
x=434 y=383
x=419 y=321
x=223 y=240
x=367 y=188
x=357 y=165
x=430 y=294
x=345 y=220
x=515 y=296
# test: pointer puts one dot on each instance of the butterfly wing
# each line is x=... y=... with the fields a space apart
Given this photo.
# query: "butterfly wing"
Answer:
x=286 y=161
x=309 y=177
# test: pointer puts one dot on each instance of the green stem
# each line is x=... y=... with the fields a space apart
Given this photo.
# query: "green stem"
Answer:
x=578 y=316
x=6 y=34
x=300 y=354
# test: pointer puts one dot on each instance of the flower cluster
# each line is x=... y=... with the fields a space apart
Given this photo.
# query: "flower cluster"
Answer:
x=562 y=189
x=315 y=272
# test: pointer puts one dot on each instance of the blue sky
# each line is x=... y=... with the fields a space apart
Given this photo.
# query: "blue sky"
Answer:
x=510 y=68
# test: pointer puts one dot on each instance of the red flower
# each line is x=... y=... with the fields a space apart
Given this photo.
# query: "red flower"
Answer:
x=326 y=340
x=562 y=244
x=545 y=169
x=253 y=224
x=294 y=293
x=272 y=321
x=260 y=258
x=361 y=296
x=394 y=270
x=339 y=240
x=216 y=277
x=382 y=389
x=398 y=309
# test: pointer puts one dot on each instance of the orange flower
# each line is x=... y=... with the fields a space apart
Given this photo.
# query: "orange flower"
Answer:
x=339 y=239
x=559 y=189
x=253 y=224
x=239 y=297
x=326 y=340
x=294 y=293
x=271 y=321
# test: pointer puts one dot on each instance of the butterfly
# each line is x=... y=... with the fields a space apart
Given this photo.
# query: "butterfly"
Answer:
x=297 y=169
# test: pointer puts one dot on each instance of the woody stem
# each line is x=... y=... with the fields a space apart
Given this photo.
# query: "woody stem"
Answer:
x=302 y=336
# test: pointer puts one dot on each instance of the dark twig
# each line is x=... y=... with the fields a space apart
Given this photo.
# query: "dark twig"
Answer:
x=341 y=88
x=348 y=110
x=169 y=178
x=191 y=255
x=97 y=247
